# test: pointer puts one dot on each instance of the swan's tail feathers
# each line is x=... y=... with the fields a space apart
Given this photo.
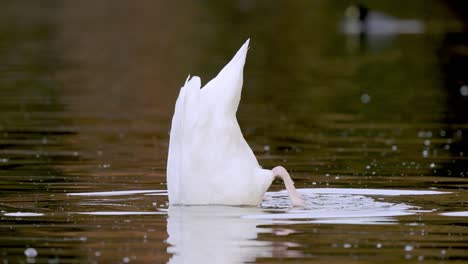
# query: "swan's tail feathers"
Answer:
x=183 y=121
x=186 y=110
x=226 y=87
x=191 y=101
x=236 y=65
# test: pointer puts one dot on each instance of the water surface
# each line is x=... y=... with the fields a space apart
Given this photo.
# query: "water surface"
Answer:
x=373 y=129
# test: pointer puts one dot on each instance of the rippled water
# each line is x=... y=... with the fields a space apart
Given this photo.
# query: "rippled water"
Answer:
x=373 y=128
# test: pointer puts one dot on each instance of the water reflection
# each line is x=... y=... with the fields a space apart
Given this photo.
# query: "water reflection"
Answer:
x=225 y=234
x=216 y=234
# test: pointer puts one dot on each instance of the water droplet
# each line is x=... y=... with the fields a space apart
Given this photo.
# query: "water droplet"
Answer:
x=425 y=153
x=368 y=167
x=432 y=165
x=126 y=260
x=420 y=258
x=464 y=90
x=394 y=148
x=266 y=148
x=365 y=98
x=409 y=248
x=427 y=142
x=97 y=253
x=347 y=245
x=443 y=252
x=30 y=252
x=378 y=245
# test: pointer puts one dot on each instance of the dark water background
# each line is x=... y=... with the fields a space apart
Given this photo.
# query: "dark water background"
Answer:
x=87 y=90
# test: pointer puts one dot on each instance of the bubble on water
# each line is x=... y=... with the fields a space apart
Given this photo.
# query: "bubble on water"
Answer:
x=464 y=90
x=337 y=177
x=427 y=142
x=424 y=134
x=266 y=148
x=425 y=153
x=378 y=245
x=365 y=98
x=97 y=253
x=4 y=160
x=126 y=260
x=443 y=252
x=368 y=167
x=421 y=134
x=394 y=148
x=409 y=248
x=420 y=258
x=55 y=260
x=432 y=165
x=30 y=252
x=347 y=245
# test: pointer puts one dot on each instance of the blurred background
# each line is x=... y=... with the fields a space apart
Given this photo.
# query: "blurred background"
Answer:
x=369 y=94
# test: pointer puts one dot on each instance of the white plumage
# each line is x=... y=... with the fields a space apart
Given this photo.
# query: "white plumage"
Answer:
x=209 y=161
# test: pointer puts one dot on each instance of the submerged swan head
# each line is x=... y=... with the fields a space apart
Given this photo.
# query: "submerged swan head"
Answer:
x=209 y=161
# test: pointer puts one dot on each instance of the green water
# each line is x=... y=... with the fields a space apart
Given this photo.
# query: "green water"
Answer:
x=87 y=90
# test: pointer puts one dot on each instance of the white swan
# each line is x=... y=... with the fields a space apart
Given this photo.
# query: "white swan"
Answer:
x=209 y=161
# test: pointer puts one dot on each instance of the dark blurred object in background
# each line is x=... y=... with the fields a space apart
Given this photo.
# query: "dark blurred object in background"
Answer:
x=453 y=56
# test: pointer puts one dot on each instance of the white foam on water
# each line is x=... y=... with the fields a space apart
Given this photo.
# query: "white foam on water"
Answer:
x=157 y=194
x=461 y=213
x=119 y=213
x=339 y=206
x=23 y=214
x=378 y=192
x=338 y=214
x=116 y=193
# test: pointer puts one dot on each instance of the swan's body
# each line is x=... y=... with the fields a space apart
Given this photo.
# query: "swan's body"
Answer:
x=209 y=161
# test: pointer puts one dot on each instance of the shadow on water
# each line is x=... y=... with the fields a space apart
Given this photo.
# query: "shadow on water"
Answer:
x=87 y=90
